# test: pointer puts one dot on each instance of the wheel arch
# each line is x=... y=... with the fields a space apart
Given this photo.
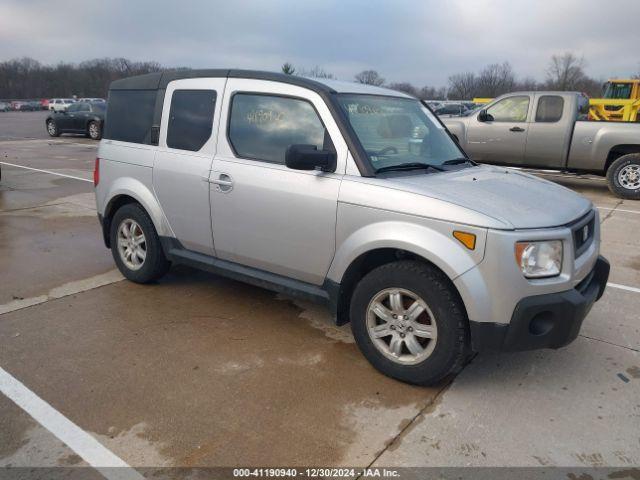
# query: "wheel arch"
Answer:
x=435 y=249
x=125 y=193
x=618 y=151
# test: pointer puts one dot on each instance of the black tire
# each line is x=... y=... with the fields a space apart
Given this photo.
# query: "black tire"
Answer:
x=52 y=129
x=155 y=264
x=94 y=130
x=614 y=181
x=452 y=344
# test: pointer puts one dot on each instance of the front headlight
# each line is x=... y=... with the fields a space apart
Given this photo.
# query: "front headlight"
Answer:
x=539 y=259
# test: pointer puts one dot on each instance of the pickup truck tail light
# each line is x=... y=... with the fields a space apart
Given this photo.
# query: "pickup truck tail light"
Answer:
x=96 y=172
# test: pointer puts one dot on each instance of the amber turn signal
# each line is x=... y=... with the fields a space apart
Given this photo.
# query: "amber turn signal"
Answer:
x=467 y=239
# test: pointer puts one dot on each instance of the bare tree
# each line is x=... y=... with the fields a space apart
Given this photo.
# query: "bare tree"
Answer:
x=405 y=87
x=432 y=93
x=527 y=84
x=317 y=72
x=369 y=77
x=463 y=86
x=495 y=79
x=565 y=72
x=288 y=69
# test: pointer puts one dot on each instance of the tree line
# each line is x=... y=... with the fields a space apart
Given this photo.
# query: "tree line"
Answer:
x=564 y=72
x=24 y=78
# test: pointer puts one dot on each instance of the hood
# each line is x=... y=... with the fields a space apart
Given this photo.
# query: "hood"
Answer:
x=513 y=197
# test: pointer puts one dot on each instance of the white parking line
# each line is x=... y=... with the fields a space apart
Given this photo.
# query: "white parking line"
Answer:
x=81 y=442
x=624 y=287
x=620 y=210
x=47 y=171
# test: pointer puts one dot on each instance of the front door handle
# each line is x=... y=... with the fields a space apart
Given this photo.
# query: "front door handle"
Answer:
x=224 y=183
x=516 y=129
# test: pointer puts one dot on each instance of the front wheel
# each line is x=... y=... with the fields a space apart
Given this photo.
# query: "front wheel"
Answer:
x=409 y=322
x=623 y=177
x=135 y=245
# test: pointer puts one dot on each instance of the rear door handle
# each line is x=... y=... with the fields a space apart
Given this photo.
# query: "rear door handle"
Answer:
x=516 y=129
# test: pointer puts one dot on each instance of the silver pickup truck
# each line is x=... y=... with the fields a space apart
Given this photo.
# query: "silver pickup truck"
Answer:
x=351 y=195
x=548 y=130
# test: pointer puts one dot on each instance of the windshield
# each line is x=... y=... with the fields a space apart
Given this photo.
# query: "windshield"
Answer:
x=398 y=131
x=617 y=90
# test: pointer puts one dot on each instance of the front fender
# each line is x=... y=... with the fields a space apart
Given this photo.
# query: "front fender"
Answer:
x=434 y=243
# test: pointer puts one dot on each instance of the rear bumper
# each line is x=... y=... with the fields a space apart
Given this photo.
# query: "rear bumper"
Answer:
x=544 y=321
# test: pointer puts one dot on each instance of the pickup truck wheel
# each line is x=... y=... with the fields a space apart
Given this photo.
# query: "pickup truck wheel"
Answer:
x=135 y=245
x=623 y=177
x=409 y=322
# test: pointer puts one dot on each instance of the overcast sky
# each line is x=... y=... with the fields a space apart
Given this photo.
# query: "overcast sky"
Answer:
x=421 y=41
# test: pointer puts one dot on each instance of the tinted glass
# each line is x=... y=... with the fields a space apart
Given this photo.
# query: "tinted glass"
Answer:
x=130 y=115
x=83 y=107
x=98 y=107
x=511 y=109
x=74 y=108
x=549 y=108
x=190 y=119
x=262 y=127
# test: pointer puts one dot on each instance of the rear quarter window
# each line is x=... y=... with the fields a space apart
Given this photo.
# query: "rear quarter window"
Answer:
x=130 y=115
x=190 y=119
x=549 y=109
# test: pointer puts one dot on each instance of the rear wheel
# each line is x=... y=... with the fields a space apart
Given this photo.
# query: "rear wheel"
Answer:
x=52 y=129
x=94 y=131
x=409 y=322
x=623 y=177
x=135 y=245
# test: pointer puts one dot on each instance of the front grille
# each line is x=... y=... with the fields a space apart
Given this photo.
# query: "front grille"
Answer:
x=583 y=232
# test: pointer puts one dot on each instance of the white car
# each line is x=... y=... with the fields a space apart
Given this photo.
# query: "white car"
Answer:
x=60 y=104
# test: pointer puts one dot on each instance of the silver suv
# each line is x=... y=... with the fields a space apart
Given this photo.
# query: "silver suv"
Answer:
x=351 y=195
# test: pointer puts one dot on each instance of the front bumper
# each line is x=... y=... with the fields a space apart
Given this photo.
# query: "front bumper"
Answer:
x=551 y=320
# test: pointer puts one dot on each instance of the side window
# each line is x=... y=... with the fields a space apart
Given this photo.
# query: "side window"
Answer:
x=262 y=127
x=84 y=107
x=510 y=109
x=130 y=115
x=190 y=119
x=74 y=107
x=549 y=109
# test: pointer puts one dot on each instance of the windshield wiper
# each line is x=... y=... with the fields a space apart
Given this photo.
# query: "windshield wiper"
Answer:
x=459 y=161
x=409 y=166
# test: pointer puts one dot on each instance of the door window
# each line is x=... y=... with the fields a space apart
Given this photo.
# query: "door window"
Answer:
x=549 y=109
x=510 y=109
x=190 y=119
x=74 y=108
x=83 y=107
x=262 y=127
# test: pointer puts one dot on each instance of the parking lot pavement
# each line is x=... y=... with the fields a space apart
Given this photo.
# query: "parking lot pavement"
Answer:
x=22 y=125
x=198 y=370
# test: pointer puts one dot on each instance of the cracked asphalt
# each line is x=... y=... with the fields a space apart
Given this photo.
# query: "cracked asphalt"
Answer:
x=198 y=370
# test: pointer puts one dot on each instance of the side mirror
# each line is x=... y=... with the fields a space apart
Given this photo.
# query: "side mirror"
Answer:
x=483 y=116
x=308 y=157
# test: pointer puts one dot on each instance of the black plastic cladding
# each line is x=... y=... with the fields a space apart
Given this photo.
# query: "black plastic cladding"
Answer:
x=159 y=81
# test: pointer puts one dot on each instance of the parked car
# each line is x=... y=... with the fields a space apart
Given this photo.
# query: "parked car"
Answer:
x=451 y=109
x=92 y=100
x=4 y=107
x=80 y=117
x=60 y=104
x=44 y=104
x=549 y=130
x=310 y=187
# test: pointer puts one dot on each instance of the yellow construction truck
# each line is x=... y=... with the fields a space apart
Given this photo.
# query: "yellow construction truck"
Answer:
x=620 y=102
